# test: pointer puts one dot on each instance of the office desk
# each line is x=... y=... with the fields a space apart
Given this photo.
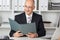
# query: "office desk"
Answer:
x=26 y=38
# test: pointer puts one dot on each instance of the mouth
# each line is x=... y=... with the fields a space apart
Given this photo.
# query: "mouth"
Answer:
x=28 y=11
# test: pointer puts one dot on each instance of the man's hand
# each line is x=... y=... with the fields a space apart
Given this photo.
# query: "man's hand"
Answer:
x=17 y=34
x=32 y=35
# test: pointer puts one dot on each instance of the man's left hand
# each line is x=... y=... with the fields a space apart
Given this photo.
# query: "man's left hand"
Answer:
x=32 y=35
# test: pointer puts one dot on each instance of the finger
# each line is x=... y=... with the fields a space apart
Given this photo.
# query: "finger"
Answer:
x=27 y=35
x=21 y=34
x=30 y=33
x=18 y=31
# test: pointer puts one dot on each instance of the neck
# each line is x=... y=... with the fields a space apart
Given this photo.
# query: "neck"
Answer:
x=28 y=14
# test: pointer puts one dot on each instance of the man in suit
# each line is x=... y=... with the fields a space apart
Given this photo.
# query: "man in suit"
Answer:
x=23 y=19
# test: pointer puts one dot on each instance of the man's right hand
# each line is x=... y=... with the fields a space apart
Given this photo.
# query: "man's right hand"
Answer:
x=18 y=34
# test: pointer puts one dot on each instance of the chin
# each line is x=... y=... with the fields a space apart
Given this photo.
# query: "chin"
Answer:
x=27 y=12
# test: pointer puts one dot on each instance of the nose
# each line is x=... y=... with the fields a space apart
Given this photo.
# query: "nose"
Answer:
x=27 y=9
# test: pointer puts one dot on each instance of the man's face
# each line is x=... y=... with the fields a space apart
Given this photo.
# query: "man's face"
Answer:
x=28 y=7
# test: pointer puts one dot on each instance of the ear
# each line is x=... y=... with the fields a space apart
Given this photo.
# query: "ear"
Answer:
x=33 y=7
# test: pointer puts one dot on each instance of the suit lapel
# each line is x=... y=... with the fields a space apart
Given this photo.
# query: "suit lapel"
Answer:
x=24 y=18
x=33 y=17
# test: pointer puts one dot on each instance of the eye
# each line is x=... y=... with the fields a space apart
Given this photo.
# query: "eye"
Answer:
x=27 y=6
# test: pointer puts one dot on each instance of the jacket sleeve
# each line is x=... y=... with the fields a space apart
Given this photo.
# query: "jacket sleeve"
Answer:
x=41 y=30
x=11 y=33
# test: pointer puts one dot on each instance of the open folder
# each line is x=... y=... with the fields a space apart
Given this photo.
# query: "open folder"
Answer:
x=24 y=28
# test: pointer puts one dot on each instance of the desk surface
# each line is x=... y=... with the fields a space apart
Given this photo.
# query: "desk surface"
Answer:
x=26 y=38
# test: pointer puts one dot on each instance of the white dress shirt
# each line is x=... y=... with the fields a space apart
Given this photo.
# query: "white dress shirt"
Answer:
x=29 y=18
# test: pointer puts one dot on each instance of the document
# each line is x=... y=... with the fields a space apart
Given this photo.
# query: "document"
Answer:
x=24 y=28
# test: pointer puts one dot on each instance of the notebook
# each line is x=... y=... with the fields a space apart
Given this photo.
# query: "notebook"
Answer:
x=24 y=28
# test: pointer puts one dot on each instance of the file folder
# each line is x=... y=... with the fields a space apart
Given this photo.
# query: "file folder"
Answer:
x=24 y=28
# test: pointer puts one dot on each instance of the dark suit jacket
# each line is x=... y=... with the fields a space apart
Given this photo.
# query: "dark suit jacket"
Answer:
x=21 y=19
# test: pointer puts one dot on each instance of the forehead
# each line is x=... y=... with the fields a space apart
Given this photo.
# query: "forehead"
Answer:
x=29 y=3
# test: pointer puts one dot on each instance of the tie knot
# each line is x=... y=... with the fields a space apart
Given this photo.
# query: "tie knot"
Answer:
x=29 y=17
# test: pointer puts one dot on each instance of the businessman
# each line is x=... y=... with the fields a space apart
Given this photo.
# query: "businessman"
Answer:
x=28 y=16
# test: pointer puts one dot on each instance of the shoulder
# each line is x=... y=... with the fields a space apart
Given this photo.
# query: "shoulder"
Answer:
x=37 y=15
x=20 y=15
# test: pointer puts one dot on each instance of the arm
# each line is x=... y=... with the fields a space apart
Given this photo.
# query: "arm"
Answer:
x=11 y=33
x=41 y=30
x=15 y=33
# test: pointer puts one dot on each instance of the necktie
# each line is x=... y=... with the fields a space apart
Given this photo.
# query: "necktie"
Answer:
x=29 y=20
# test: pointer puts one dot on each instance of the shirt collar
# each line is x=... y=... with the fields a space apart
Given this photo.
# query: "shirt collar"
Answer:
x=28 y=15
